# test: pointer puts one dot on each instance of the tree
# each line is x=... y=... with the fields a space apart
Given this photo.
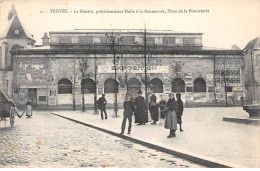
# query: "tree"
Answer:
x=84 y=70
x=114 y=41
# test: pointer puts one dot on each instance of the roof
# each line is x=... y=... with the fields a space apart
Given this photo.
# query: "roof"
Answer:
x=252 y=44
x=124 y=31
x=127 y=50
x=13 y=24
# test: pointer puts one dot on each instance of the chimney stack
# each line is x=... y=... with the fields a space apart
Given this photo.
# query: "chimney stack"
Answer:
x=45 y=40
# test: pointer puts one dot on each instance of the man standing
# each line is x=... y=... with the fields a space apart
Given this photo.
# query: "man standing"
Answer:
x=179 y=109
x=128 y=113
x=153 y=107
x=141 y=115
x=242 y=100
x=102 y=105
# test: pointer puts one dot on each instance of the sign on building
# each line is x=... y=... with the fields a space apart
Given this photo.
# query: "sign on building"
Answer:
x=132 y=69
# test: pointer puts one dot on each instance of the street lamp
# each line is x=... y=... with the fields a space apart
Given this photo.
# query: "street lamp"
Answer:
x=7 y=85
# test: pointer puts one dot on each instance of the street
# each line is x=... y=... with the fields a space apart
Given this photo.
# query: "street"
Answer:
x=46 y=140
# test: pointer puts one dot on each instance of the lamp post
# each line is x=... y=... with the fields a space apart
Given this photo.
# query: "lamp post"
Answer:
x=74 y=80
x=7 y=86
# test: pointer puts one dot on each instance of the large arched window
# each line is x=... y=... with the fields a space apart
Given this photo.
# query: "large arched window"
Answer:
x=133 y=85
x=199 y=85
x=88 y=86
x=178 y=85
x=111 y=86
x=64 y=86
x=156 y=85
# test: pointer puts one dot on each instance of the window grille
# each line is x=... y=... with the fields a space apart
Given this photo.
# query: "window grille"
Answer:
x=88 y=86
x=178 y=85
x=128 y=40
x=169 y=40
x=64 y=86
x=156 y=85
x=86 y=40
x=199 y=85
x=111 y=86
x=64 y=39
x=188 y=40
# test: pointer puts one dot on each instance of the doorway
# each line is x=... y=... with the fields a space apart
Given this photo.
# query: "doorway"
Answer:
x=32 y=95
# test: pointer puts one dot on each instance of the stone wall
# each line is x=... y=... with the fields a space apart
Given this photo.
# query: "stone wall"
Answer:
x=44 y=71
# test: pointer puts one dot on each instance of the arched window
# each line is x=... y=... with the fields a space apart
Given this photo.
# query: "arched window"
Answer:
x=88 y=86
x=111 y=86
x=156 y=85
x=133 y=86
x=178 y=85
x=64 y=86
x=199 y=85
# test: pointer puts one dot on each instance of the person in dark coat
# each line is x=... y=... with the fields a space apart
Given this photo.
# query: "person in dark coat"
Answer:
x=162 y=106
x=129 y=109
x=153 y=107
x=102 y=102
x=141 y=115
x=171 y=118
x=242 y=100
x=179 y=109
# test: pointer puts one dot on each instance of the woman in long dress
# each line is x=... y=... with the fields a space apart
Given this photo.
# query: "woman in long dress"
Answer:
x=171 y=117
x=28 y=109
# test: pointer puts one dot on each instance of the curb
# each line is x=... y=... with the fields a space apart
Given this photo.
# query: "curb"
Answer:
x=242 y=121
x=205 y=161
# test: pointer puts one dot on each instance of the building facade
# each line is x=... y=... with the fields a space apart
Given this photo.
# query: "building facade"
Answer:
x=72 y=64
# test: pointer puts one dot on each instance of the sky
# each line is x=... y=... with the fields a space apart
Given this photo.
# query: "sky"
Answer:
x=227 y=22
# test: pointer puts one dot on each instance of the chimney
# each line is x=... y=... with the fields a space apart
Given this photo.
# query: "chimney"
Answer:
x=45 y=40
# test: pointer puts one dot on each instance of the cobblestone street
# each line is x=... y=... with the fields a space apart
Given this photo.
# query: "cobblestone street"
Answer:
x=49 y=141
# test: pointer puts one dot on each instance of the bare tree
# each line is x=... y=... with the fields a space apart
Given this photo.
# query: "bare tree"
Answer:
x=114 y=41
x=85 y=73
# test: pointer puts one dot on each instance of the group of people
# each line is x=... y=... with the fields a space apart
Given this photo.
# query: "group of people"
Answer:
x=28 y=110
x=171 y=111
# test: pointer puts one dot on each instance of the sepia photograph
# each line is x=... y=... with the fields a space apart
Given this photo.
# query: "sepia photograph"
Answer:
x=129 y=84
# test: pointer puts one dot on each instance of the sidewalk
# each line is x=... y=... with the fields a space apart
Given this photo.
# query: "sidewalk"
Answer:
x=205 y=134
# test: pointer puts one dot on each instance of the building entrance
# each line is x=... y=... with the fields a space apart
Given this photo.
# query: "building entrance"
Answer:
x=32 y=96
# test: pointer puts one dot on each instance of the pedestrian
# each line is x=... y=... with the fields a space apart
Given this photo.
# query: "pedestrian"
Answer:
x=28 y=109
x=141 y=115
x=162 y=107
x=129 y=109
x=242 y=100
x=171 y=118
x=102 y=102
x=179 y=109
x=153 y=108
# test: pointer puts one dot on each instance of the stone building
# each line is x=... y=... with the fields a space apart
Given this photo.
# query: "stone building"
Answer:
x=252 y=71
x=51 y=75
x=14 y=37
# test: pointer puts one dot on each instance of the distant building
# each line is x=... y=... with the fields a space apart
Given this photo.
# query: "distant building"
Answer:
x=14 y=37
x=252 y=71
x=50 y=74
